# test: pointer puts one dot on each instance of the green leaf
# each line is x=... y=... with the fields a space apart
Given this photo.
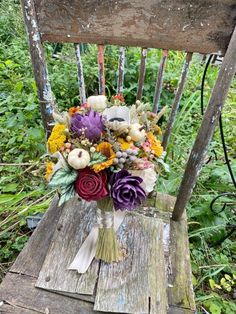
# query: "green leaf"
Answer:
x=97 y=158
x=63 y=178
x=66 y=194
x=11 y=187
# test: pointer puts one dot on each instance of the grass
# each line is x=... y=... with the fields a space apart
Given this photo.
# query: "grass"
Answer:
x=22 y=188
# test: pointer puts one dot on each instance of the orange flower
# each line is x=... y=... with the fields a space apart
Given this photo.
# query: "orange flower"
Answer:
x=49 y=170
x=73 y=110
x=119 y=97
x=106 y=149
x=155 y=144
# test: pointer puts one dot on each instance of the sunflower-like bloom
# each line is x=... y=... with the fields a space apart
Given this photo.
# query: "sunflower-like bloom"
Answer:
x=57 y=138
x=155 y=144
x=105 y=148
x=49 y=170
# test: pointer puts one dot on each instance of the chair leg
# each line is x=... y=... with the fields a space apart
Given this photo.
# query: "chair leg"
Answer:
x=205 y=133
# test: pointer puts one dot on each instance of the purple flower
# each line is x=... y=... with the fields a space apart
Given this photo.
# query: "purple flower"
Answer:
x=91 y=122
x=126 y=191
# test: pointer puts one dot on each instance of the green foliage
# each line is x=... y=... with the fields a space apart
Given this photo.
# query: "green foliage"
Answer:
x=24 y=192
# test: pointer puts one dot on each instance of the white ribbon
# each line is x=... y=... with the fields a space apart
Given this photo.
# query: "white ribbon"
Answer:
x=86 y=253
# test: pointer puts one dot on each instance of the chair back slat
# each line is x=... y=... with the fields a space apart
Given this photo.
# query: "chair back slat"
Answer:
x=142 y=72
x=175 y=106
x=80 y=74
x=159 y=82
x=195 y=26
x=101 y=74
x=121 y=71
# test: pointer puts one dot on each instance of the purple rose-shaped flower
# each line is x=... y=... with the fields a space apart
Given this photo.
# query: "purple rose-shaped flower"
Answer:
x=126 y=191
x=91 y=122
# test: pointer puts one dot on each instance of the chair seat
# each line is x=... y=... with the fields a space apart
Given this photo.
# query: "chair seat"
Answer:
x=155 y=276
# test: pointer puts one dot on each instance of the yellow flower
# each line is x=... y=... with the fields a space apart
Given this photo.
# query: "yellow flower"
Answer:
x=155 y=144
x=49 y=170
x=57 y=138
x=106 y=149
x=124 y=144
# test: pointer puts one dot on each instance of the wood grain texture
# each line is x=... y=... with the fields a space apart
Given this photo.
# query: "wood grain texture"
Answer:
x=10 y=309
x=31 y=259
x=205 y=133
x=73 y=227
x=19 y=290
x=180 y=291
x=138 y=283
x=195 y=26
x=46 y=100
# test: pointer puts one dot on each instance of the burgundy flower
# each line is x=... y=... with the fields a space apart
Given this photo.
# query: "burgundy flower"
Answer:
x=91 y=186
x=91 y=122
x=126 y=191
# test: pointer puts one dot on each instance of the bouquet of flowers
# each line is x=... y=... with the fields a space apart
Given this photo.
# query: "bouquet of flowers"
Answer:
x=109 y=153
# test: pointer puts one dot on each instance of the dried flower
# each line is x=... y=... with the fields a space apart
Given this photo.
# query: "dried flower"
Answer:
x=90 y=123
x=155 y=145
x=126 y=190
x=106 y=149
x=57 y=138
x=49 y=170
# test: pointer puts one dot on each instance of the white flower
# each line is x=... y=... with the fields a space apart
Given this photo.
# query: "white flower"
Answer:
x=118 y=117
x=97 y=103
x=137 y=133
x=149 y=177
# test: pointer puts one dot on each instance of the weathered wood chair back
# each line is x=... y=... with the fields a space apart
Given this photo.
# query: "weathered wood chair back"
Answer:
x=191 y=26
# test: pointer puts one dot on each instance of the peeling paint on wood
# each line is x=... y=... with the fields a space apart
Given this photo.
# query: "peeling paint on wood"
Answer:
x=101 y=74
x=121 y=71
x=142 y=71
x=194 y=26
x=46 y=100
x=80 y=74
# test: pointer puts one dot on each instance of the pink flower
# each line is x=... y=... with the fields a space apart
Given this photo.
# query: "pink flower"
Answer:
x=146 y=147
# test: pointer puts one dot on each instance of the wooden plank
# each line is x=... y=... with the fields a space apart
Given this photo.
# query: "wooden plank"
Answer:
x=180 y=291
x=205 y=133
x=179 y=310
x=137 y=284
x=46 y=100
x=74 y=225
x=142 y=71
x=159 y=81
x=175 y=106
x=19 y=290
x=80 y=74
x=31 y=259
x=121 y=71
x=10 y=309
x=195 y=26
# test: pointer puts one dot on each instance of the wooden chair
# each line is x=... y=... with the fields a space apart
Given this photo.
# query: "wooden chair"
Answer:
x=156 y=276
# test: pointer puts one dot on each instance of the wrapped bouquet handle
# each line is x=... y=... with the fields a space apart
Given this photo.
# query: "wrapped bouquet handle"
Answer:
x=107 y=248
x=87 y=252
